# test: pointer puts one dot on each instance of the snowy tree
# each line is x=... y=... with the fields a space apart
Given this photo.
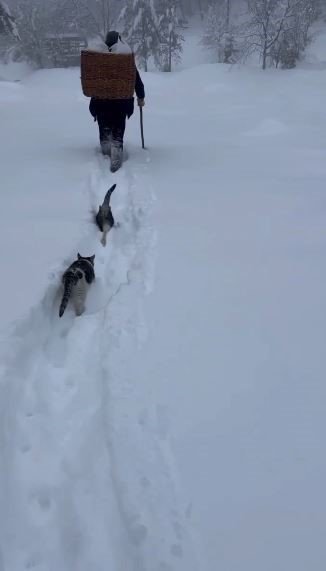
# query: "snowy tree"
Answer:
x=190 y=8
x=264 y=27
x=7 y=22
x=39 y=19
x=171 y=39
x=141 y=29
x=66 y=16
x=96 y=17
x=219 y=33
x=296 y=34
x=33 y=22
x=275 y=26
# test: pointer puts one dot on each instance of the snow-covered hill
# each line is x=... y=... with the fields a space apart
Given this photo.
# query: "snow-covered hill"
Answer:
x=179 y=423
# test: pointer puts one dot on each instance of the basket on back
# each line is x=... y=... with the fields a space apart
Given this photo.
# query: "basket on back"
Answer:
x=108 y=76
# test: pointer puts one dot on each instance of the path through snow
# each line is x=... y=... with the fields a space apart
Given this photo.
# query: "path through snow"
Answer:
x=87 y=478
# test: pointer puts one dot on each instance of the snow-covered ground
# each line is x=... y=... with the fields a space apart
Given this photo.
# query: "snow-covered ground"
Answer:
x=179 y=423
x=15 y=71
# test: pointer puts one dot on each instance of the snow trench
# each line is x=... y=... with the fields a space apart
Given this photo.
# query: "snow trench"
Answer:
x=87 y=479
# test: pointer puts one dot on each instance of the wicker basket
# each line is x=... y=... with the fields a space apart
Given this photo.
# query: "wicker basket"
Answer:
x=108 y=76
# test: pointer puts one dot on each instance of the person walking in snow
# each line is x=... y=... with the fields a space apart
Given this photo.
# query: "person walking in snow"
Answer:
x=111 y=114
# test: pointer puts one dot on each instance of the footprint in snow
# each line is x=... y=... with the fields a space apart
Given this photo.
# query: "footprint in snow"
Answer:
x=41 y=505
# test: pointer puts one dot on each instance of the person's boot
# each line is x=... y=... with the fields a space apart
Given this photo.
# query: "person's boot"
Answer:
x=106 y=148
x=106 y=142
x=116 y=156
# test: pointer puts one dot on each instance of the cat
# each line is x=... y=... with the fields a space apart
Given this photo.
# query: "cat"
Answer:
x=104 y=218
x=76 y=281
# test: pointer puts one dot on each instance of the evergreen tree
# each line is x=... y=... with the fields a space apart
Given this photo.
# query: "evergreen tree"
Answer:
x=33 y=25
x=101 y=14
x=171 y=39
x=93 y=17
x=140 y=29
x=215 y=30
x=7 y=22
x=65 y=17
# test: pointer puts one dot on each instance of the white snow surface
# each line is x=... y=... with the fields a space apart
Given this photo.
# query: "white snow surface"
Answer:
x=87 y=478
x=179 y=424
x=14 y=71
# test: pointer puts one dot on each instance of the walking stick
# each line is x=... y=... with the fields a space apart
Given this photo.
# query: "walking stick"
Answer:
x=142 y=127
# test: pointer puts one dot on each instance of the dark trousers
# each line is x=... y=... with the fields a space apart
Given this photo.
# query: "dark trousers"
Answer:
x=112 y=128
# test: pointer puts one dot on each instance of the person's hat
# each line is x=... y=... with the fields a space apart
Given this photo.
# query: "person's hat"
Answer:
x=112 y=38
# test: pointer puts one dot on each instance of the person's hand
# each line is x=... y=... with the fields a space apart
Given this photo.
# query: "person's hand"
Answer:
x=141 y=102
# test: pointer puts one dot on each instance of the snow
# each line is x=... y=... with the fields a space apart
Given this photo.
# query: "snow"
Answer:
x=84 y=450
x=194 y=53
x=178 y=425
x=120 y=48
x=240 y=268
x=15 y=71
x=316 y=52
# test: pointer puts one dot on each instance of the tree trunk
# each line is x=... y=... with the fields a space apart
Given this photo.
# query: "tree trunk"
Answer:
x=145 y=54
x=264 y=57
x=170 y=52
x=227 y=20
x=106 y=15
x=265 y=49
x=201 y=10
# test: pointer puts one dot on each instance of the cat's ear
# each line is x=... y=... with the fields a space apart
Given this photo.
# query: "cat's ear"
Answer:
x=79 y=256
x=92 y=258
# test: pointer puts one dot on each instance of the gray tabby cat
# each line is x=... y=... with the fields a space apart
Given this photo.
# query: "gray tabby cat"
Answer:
x=104 y=218
x=76 y=281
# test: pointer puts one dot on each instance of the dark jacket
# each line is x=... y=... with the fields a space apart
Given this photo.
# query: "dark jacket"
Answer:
x=99 y=107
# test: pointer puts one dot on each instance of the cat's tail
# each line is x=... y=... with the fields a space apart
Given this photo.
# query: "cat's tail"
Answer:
x=70 y=281
x=106 y=201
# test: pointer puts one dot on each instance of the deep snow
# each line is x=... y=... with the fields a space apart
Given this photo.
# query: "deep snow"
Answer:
x=205 y=328
x=240 y=269
x=87 y=479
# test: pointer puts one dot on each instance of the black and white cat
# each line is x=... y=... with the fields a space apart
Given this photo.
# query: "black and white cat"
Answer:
x=104 y=218
x=76 y=281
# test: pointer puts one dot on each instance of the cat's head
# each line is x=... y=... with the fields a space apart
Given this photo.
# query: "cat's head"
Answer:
x=88 y=258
